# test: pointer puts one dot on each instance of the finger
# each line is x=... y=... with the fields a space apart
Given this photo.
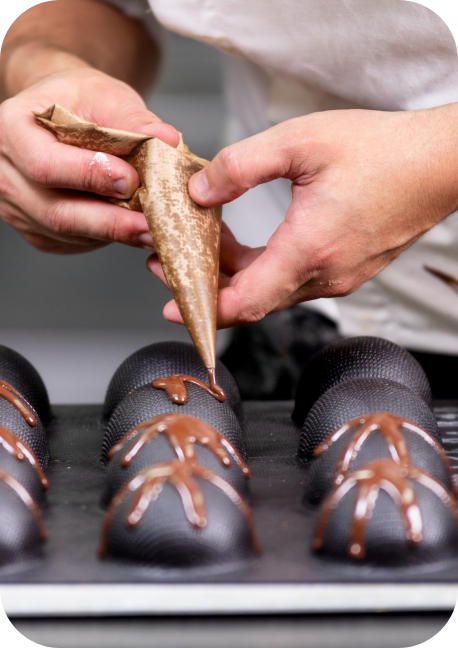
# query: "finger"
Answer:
x=234 y=256
x=240 y=167
x=53 y=246
x=154 y=266
x=277 y=273
x=59 y=166
x=77 y=219
x=62 y=214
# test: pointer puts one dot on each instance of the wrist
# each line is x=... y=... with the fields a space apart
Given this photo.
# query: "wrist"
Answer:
x=27 y=63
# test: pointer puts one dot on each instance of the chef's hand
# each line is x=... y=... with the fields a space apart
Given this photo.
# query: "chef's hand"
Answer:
x=365 y=186
x=42 y=180
x=87 y=56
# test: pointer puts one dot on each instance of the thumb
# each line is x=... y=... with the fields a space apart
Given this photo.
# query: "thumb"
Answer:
x=240 y=167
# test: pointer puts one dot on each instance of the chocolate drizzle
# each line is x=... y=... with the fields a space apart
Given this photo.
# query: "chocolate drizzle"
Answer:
x=19 y=449
x=389 y=426
x=176 y=388
x=389 y=475
x=27 y=499
x=12 y=396
x=183 y=432
x=386 y=475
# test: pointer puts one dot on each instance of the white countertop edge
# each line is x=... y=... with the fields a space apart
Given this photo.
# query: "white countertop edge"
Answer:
x=176 y=599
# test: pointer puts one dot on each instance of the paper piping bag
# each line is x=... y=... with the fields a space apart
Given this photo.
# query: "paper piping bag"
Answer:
x=186 y=235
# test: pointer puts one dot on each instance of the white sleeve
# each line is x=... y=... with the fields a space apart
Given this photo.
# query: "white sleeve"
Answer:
x=141 y=10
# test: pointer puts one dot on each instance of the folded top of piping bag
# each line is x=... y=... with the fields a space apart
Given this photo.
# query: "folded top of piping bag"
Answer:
x=186 y=235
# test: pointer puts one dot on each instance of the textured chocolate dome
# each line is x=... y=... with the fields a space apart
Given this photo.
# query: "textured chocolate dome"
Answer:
x=20 y=374
x=386 y=542
x=358 y=357
x=320 y=475
x=147 y=402
x=19 y=533
x=34 y=437
x=166 y=537
x=161 y=360
x=357 y=397
x=159 y=450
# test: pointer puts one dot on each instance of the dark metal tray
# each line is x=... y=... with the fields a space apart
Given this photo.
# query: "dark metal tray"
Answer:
x=288 y=577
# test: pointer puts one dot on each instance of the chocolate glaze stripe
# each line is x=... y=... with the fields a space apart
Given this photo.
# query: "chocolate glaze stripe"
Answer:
x=28 y=500
x=12 y=396
x=183 y=432
x=382 y=474
x=175 y=387
x=386 y=475
x=19 y=449
x=148 y=485
x=389 y=426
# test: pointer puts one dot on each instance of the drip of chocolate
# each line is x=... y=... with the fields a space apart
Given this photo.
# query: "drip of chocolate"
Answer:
x=15 y=446
x=390 y=427
x=176 y=388
x=386 y=475
x=183 y=432
x=27 y=499
x=217 y=391
x=12 y=396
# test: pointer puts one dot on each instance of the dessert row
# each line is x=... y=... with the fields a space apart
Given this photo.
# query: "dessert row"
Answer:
x=378 y=485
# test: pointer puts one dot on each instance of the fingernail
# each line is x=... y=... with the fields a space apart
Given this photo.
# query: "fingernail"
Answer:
x=146 y=239
x=120 y=186
x=201 y=184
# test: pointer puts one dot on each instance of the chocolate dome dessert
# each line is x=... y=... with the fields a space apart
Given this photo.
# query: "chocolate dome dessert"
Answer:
x=176 y=489
x=358 y=357
x=33 y=435
x=370 y=434
x=146 y=402
x=17 y=372
x=21 y=530
x=23 y=456
x=378 y=469
x=162 y=360
x=388 y=515
x=358 y=397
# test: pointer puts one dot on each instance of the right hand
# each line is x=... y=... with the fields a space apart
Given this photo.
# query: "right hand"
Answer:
x=46 y=186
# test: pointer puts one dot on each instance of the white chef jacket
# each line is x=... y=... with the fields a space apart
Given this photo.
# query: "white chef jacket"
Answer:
x=292 y=57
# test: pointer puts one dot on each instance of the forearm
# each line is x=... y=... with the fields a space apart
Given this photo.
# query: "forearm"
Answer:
x=65 y=34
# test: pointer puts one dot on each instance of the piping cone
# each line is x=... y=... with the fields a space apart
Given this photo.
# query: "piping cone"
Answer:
x=186 y=235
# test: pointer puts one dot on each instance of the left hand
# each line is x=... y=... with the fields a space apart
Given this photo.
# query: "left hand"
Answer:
x=365 y=186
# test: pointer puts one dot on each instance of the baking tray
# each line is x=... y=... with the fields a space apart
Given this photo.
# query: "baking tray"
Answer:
x=287 y=578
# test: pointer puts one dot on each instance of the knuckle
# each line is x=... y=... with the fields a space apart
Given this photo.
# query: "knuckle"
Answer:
x=230 y=164
x=38 y=168
x=9 y=217
x=6 y=189
x=60 y=217
x=341 y=287
x=113 y=230
x=96 y=176
x=251 y=313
